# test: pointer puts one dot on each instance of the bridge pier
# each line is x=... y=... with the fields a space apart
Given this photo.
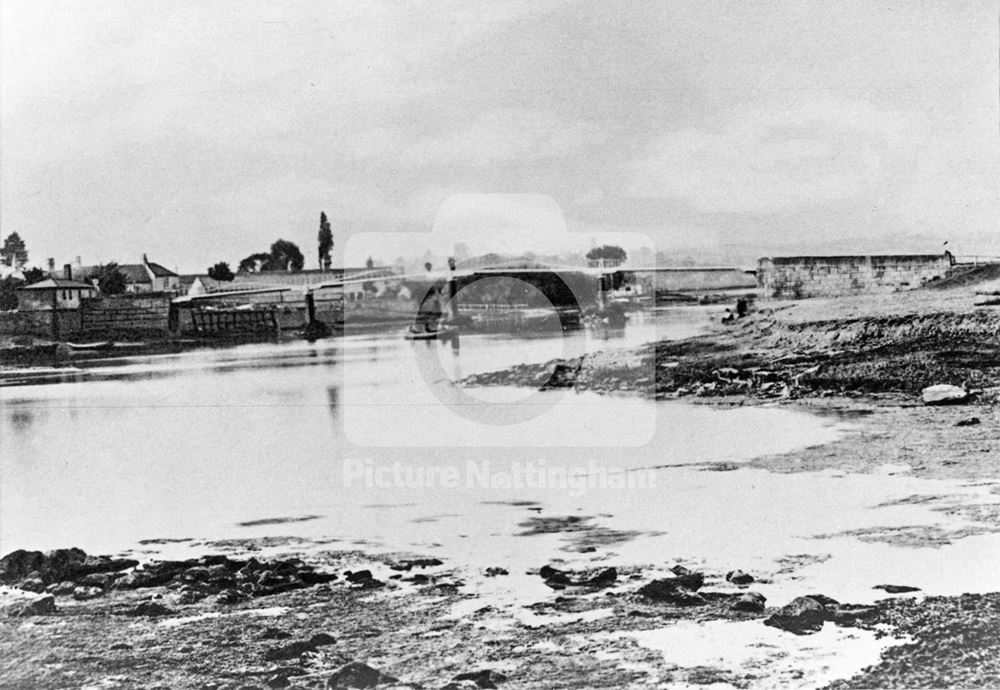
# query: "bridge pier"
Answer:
x=614 y=314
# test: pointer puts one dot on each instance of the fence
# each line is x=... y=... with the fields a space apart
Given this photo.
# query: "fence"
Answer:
x=226 y=322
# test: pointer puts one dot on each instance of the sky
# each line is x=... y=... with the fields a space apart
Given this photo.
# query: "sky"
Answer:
x=200 y=131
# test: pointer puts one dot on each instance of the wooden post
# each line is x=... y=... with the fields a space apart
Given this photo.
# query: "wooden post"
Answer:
x=452 y=290
x=55 y=315
x=310 y=308
x=173 y=319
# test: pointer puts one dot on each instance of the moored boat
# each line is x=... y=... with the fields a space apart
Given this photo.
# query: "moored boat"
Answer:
x=100 y=345
x=445 y=332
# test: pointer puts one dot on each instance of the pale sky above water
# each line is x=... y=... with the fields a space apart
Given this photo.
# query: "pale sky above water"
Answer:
x=200 y=131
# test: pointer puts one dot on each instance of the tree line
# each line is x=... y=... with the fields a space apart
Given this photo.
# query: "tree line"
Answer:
x=283 y=255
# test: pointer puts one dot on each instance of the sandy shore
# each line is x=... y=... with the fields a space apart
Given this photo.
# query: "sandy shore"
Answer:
x=270 y=614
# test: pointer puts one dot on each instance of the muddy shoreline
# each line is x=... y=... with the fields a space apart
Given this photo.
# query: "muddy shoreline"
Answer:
x=867 y=364
x=240 y=621
x=267 y=613
x=243 y=622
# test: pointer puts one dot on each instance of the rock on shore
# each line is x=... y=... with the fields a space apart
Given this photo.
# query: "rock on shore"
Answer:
x=944 y=394
x=73 y=572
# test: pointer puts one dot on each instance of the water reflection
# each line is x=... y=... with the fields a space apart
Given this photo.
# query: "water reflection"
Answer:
x=608 y=333
x=193 y=443
x=21 y=419
x=333 y=399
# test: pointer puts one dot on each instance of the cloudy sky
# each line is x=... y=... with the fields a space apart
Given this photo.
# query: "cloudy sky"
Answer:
x=199 y=131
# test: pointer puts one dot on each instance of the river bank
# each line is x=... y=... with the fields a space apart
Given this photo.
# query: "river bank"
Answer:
x=892 y=513
x=850 y=358
x=894 y=346
x=345 y=619
x=867 y=361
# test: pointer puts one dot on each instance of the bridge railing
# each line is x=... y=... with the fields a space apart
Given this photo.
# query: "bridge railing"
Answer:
x=604 y=263
x=474 y=306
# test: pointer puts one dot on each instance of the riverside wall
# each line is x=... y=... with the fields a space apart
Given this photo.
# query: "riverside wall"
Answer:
x=51 y=324
x=798 y=277
x=142 y=315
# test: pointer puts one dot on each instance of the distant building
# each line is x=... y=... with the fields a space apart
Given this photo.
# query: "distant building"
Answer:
x=145 y=277
x=500 y=261
x=54 y=293
x=195 y=285
x=244 y=281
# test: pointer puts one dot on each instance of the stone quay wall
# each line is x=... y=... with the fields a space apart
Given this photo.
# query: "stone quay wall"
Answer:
x=798 y=277
x=136 y=315
x=44 y=323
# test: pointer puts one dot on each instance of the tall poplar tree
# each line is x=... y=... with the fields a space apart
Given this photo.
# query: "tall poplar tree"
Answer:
x=325 y=242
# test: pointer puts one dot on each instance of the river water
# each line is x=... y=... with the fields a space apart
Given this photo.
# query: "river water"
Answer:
x=365 y=442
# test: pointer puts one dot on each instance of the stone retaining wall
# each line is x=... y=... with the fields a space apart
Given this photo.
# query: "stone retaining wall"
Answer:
x=833 y=276
x=139 y=315
x=51 y=324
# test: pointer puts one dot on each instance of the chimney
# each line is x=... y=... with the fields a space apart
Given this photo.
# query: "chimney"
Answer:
x=68 y=272
x=52 y=265
x=78 y=263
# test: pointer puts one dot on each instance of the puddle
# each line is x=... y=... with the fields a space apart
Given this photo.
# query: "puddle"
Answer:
x=762 y=656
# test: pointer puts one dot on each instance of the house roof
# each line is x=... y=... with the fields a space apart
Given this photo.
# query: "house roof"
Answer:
x=187 y=280
x=134 y=273
x=57 y=284
x=161 y=272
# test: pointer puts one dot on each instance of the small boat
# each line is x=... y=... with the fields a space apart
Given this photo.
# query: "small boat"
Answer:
x=100 y=345
x=439 y=333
